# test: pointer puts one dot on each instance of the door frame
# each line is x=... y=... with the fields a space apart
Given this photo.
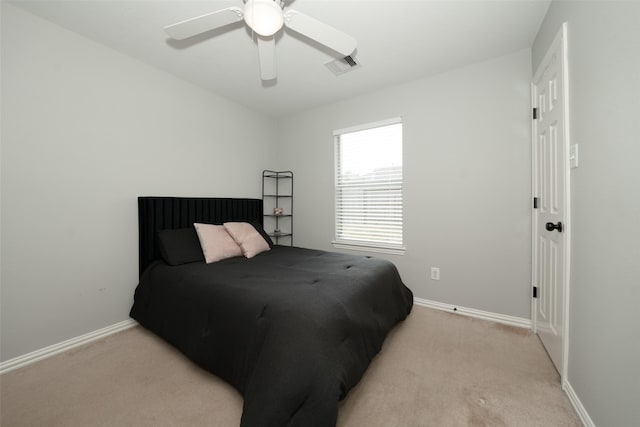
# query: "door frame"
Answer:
x=561 y=40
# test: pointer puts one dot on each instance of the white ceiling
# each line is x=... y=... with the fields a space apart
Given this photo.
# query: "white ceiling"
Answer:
x=398 y=41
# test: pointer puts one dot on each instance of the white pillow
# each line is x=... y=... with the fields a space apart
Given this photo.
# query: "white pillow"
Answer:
x=216 y=243
x=247 y=237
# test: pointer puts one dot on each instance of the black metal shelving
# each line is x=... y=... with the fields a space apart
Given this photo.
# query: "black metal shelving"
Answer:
x=277 y=193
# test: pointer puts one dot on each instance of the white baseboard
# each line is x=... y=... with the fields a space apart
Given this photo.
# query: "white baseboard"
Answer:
x=34 y=356
x=577 y=405
x=519 y=322
x=43 y=353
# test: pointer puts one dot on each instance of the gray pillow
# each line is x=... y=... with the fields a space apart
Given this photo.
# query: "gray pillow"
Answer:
x=180 y=246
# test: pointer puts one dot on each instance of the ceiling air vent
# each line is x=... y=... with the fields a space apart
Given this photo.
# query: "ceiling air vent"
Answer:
x=342 y=65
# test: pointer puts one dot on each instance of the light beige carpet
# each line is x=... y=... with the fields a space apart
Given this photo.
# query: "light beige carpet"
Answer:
x=435 y=369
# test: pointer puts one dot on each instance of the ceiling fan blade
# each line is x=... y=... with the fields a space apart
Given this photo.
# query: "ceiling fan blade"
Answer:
x=200 y=24
x=267 y=54
x=320 y=32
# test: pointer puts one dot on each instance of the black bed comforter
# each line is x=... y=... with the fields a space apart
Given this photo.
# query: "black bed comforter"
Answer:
x=292 y=329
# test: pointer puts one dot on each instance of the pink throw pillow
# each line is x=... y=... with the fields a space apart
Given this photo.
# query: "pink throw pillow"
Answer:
x=247 y=237
x=216 y=243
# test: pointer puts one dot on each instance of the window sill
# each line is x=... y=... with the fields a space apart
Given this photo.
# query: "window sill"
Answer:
x=369 y=247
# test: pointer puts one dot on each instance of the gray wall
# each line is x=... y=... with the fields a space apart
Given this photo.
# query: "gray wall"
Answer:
x=604 y=78
x=85 y=130
x=467 y=174
x=79 y=122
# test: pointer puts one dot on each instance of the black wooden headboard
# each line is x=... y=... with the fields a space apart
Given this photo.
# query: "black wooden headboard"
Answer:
x=161 y=213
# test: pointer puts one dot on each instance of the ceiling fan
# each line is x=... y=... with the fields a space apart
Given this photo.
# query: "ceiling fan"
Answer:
x=266 y=18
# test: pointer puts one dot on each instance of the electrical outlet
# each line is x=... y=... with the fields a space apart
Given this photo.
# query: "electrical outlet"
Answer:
x=435 y=273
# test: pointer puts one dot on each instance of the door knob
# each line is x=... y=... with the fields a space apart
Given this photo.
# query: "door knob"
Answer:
x=551 y=226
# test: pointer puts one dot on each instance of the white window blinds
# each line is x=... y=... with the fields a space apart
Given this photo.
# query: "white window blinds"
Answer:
x=369 y=185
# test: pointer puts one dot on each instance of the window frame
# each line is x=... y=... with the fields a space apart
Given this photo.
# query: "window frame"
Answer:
x=369 y=246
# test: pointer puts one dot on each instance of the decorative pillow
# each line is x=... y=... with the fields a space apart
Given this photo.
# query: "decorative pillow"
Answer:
x=247 y=237
x=216 y=243
x=263 y=233
x=179 y=246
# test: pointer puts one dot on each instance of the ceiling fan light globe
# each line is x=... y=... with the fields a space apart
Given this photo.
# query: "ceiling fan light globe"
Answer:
x=263 y=16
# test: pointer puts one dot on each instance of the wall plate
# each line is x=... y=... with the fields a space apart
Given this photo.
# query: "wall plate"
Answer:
x=573 y=156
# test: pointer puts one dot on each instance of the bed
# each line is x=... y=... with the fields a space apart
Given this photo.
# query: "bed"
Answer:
x=292 y=329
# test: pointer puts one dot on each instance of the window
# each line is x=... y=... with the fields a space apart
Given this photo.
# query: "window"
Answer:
x=369 y=187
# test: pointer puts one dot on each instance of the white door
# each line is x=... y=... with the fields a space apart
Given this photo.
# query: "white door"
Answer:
x=551 y=189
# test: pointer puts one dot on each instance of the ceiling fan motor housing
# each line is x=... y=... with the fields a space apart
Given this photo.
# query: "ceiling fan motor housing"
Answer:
x=264 y=16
